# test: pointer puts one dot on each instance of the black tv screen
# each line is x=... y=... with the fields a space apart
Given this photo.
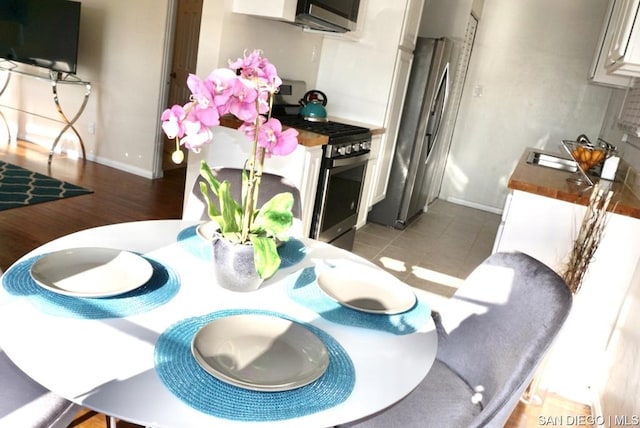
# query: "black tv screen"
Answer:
x=43 y=33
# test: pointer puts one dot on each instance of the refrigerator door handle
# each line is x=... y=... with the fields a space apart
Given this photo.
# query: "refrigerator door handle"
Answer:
x=438 y=109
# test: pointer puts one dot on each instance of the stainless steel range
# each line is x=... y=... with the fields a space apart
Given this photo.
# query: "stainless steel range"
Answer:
x=342 y=173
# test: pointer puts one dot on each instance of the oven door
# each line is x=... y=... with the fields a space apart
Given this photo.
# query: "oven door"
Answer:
x=338 y=199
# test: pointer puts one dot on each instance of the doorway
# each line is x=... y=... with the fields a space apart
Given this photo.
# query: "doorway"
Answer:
x=186 y=35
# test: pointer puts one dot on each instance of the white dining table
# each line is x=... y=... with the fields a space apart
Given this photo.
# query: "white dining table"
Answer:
x=107 y=362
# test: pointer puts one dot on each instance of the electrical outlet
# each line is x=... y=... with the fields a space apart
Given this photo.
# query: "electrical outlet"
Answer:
x=92 y=128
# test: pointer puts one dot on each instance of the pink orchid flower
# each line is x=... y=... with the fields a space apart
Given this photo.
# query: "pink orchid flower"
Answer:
x=258 y=69
x=243 y=102
x=221 y=82
x=196 y=135
x=172 y=121
x=204 y=107
x=272 y=138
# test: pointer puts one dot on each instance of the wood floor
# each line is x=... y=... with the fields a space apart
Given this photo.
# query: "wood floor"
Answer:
x=119 y=197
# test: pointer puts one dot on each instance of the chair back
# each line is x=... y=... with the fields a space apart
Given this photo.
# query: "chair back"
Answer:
x=270 y=185
x=498 y=328
x=24 y=403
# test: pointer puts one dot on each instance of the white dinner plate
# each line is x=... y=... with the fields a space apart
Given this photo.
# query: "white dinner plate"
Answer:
x=260 y=352
x=207 y=230
x=366 y=289
x=91 y=272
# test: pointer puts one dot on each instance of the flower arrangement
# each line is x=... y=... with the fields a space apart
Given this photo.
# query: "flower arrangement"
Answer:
x=245 y=90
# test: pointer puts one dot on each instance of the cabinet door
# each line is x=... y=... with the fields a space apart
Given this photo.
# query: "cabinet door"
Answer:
x=599 y=73
x=624 y=54
x=623 y=24
x=392 y=122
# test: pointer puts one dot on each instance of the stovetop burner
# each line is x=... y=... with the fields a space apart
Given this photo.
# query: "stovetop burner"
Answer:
x=337 y=132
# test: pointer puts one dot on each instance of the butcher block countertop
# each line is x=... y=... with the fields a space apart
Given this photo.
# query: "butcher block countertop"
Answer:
x=305 y=138
x=553 y=183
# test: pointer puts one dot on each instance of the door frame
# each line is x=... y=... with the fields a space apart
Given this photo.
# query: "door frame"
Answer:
x=165 y=81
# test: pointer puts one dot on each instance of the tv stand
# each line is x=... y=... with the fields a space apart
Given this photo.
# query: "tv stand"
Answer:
x=54 y=78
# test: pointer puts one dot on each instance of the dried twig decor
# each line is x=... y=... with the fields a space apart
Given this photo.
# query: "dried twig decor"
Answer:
x=589 y=237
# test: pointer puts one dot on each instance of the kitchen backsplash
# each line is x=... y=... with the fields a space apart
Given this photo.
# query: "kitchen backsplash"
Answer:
x=629 y=118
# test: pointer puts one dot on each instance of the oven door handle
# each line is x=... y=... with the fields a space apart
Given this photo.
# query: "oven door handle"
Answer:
x=353 y=160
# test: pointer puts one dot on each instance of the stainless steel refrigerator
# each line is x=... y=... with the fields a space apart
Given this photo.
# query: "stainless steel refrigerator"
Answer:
x=415 y=159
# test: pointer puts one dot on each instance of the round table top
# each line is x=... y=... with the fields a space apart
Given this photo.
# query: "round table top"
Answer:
x=106 y=362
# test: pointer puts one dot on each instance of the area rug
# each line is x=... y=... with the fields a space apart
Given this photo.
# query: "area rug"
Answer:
x=20 y=187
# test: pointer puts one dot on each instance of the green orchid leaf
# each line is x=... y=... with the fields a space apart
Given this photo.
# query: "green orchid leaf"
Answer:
x=212 y=210
x=207 y=174
x=229 y=209
x=229 y=215
x=265 y=255
x=214 y=184
x=275 y=217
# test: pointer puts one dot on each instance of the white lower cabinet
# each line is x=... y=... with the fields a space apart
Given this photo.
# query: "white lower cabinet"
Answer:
x=545 y=228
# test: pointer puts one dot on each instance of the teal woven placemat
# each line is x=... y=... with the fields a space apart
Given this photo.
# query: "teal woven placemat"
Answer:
x=306 y=291
x=182 y=375
x=162 y=287
x=291 y=252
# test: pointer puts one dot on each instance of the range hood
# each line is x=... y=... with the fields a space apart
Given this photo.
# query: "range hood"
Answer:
x=335 y=16
x=316 y=18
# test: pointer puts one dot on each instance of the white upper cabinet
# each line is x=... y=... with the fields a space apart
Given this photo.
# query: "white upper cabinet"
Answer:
x=599 y=73
x=284 y=10
x=624 y=52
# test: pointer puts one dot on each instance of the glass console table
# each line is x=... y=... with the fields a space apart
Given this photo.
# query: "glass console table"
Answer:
x=55 y=78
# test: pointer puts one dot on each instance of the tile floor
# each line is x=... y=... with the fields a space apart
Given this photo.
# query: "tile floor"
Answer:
x=436 y=251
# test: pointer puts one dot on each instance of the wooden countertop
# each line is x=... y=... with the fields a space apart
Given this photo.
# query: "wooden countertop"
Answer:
x=553 y=183
x=306 y=138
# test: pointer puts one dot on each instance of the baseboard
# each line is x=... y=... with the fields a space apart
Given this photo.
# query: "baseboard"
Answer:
x=121 y=166
x=474 y=205
x=76 y=154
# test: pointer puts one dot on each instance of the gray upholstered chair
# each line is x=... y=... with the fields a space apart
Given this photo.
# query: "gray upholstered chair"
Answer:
x=24 y=403
x=271 y=184
x=492 y=334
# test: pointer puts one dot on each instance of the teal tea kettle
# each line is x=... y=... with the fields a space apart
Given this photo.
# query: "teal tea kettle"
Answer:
x=313 y=103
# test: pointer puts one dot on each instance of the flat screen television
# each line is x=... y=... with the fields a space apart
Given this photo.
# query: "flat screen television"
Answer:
x=43 y=33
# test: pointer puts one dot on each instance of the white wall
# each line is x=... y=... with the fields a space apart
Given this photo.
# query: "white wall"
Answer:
x=357 y=76
x=448 y=18
x=628 y=145
x=526 y=86
x=122 y=48
x=121 y=54
x=225 y=36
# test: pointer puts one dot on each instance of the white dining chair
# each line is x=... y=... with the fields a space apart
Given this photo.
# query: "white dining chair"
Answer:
x=492 y=335
x=271 y=184
x=24 y=403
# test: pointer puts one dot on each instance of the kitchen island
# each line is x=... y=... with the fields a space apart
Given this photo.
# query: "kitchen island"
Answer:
x=542 y=217
x=553 y=183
